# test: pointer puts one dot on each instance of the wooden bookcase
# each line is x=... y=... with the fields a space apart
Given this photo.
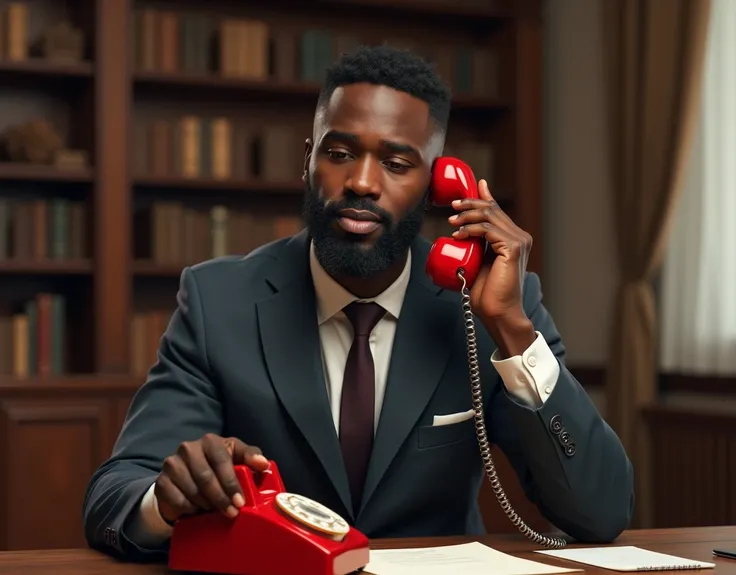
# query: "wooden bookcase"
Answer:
x=103 y=105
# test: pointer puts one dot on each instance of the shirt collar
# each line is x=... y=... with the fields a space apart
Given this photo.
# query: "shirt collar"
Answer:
x=332 y=297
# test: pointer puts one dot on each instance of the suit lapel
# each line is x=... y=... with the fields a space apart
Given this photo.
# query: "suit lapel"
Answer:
x=287 y=321
x=420 y=353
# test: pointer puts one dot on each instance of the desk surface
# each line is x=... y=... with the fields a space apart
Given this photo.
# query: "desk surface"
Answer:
x=691 y=543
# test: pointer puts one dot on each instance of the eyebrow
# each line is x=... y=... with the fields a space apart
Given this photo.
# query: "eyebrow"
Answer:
x=393 y=146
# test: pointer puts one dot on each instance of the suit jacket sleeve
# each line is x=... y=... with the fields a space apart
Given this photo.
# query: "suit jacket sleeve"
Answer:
x=570 y=463
x=177 y=403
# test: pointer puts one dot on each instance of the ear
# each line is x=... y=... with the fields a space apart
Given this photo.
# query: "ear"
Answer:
x=308 y=147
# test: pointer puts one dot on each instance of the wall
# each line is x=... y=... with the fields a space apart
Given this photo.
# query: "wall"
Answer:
x=580 y=259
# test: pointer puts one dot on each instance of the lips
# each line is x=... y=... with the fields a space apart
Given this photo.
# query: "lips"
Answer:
x=360 y=222
x=360 y=215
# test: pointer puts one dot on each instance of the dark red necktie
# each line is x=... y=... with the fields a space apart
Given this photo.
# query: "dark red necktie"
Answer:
x=358 y=397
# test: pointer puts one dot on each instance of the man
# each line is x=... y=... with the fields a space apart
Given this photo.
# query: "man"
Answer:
x=260 y=360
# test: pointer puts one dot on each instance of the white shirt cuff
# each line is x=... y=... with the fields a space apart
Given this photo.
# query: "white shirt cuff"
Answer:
x=531 y=376
x=149 y=529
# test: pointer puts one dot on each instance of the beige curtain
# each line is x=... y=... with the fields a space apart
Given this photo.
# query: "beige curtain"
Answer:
x=655 y=52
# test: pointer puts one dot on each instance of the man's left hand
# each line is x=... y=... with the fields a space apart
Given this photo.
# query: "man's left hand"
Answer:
x=496 y=295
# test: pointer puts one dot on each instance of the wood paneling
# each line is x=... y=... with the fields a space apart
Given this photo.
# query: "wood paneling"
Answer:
x=53 y=435
x=694 y=466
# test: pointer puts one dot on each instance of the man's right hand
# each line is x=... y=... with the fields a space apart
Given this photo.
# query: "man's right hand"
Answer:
x=200 y=477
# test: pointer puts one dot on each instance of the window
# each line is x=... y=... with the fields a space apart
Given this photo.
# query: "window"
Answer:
x=698 y=282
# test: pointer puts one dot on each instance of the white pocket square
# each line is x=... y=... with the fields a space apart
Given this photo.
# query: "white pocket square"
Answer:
x=451 y=418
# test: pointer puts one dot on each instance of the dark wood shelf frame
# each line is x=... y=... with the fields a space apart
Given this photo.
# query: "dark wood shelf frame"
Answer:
x=215 y=84
x=46 y=68
x=177 y=183
x=45 y=267
x=44 y=173
x=149 y=268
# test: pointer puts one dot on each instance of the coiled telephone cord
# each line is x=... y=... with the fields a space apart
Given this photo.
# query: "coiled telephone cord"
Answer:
x=480 y=429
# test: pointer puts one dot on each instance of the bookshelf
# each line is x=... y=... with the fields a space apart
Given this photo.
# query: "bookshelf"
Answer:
x=154 y=145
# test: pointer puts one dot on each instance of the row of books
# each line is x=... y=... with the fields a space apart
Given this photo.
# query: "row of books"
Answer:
x=220 y=148
x=174 y=233
x=32 y=338
x=145 y=336
x=170 y=42
x=42 y=229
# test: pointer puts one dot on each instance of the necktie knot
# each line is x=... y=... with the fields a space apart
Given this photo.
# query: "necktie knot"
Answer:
x=364 y=316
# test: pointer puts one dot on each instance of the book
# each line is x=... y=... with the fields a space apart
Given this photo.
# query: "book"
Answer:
x=627 y=558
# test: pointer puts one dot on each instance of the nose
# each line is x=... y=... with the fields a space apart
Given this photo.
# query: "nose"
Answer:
x=365 y=177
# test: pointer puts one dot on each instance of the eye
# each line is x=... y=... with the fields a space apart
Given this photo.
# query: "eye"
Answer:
x=396 y=167
x=338 y=155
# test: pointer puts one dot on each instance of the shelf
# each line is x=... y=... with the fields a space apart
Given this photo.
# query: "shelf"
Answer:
x=214 y=80
x=217 y=86
x=467 y=12
x=440 y=8
x=65 y=385
x=36 y=73
x=149 y=268
x=45 y=267
x=41 y=172
x=42 y=67
x=178 y=183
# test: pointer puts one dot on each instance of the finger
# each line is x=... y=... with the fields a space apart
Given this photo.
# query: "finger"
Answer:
x=176 y=470
x=492 y=233
x=501 y=241
x=170 y=496
x=249 y=455
x=486 y=212
x=484 y=191
x=219 y=453
x=205 y=477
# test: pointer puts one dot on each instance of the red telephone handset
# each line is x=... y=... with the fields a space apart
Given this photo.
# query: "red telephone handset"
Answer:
x=452 y=179
x=275 y=533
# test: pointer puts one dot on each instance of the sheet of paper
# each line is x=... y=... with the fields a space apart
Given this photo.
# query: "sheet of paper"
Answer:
x=626 y=558
x=467 y=558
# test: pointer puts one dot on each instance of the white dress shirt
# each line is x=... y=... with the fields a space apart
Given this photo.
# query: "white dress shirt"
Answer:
x=530 y=377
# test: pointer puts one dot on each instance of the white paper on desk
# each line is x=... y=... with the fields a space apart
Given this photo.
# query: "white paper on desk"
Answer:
x=467 y=558
x=627 y=558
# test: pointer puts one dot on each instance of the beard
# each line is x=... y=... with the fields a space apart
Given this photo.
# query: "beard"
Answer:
x=345 y=255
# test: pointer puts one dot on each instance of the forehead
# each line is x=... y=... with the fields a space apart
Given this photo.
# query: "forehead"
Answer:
x=369 y=110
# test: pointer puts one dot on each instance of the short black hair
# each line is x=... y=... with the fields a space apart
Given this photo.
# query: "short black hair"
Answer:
x=395 y=68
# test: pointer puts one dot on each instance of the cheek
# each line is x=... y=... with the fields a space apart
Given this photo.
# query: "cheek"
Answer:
x=407 y=194
x=328 y=178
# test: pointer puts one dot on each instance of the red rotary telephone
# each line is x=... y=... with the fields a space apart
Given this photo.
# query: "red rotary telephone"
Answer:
x=276 y=533
x=452 y=179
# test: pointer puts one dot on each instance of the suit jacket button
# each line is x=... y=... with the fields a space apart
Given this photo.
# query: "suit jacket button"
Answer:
x=555 y=424
x=570 y=449
x=564 y=438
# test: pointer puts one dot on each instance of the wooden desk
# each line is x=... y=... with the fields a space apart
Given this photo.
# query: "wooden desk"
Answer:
x=692 y=543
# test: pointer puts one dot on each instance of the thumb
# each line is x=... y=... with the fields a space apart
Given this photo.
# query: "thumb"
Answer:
x=249 y=455
x=484 y=191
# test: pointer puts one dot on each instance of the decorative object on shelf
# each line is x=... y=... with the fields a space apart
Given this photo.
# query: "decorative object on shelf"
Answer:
x=62 y=43
x=66 y=159
x=35 y=141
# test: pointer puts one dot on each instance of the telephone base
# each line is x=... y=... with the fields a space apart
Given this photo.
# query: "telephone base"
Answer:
x=275 y=533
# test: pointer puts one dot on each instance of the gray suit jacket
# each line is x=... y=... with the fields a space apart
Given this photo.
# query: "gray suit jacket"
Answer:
x=241 y=357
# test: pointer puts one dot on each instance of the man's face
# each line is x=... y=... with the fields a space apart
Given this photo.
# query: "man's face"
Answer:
x=367 y=175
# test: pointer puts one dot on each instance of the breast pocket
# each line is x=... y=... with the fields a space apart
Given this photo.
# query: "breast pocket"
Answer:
x=434 y=436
